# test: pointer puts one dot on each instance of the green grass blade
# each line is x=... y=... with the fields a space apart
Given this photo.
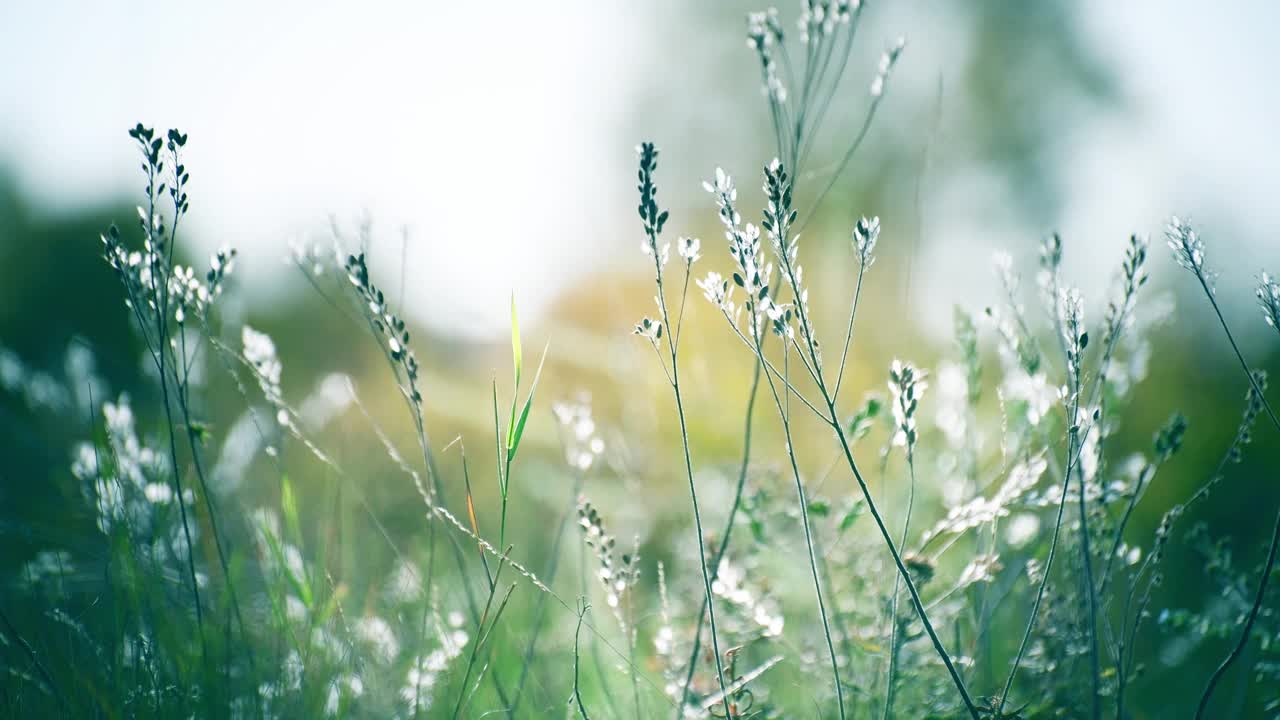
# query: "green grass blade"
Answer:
x=513 y=443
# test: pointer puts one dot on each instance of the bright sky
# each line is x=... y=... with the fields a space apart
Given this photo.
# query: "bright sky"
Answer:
x=497 y=131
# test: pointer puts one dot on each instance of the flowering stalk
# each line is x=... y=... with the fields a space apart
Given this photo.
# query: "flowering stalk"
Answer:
x=1188 y=251
x=752 y=276
x=170 y=292
x=654 y=220
x=907 y=384
x=1070 y=306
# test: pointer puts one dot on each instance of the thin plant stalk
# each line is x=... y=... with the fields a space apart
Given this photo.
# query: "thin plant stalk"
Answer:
x=894 y=642
x=1072 y=454
x=784 y=415
x=723 y=546
x=652 y=226
x=577 y=663
x=1274 y=547
x=832 y=418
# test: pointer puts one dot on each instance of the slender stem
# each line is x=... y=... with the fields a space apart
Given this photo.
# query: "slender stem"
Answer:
x=697 y=517
x=832 y=418
x=844 y=162
x=1252 y=617
x=724 y=538
x=652 y=234
x=785 y=416
x=902 y=568
x=1239 y=647
x=577 y=685
x=894 y=646
x=480 y=636
x=181 y=500
x=1086 y=557
x=848 y=334
x=540 y=611
x=1072 y=444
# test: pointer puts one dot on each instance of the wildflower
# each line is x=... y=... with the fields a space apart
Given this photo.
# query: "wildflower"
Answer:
x=1071 y=325
x=616 y=578
x=583 y=444
x=952 y=417
x=343 y=686
x=726 y=195
x=1269 y=299
x=688 y=248
x=425 y=670
x=887 y=61
x=651 y=329
x=763 y=32
x=1003 y=263
x=405 y=584
x=981 y=569
x=907 y=384
x=377 y=634
x=1185 y=242
x=731 y=583
x=715 y=288
x=865 y=234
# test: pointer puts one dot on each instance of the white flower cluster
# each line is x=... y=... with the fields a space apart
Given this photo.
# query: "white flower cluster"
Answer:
x=377 y=636
x=187 y=292
x=764 y=31
x=819 y=18
x=752 y=274
x=981 y=511
x=649 y=329
x=907 y=385
x=779 y=216
x=617 y=578
x=689 y=249
x=982 y=568
x=865 y=234
x=731 y=584
x=887 y=61
x=425 y=670
x=1187 y=247
x=648 y=247
x=260 y=353
x=583 y=444
x=404 y=585
x=277 y=555
x=1269 y=299
x=1071 y=323
x=664 y=640
x=137 y=480
x=144 y=272
x=344 y=686
x=310 y=258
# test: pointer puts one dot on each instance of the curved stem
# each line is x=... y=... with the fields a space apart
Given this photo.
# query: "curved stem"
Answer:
x=1275 y=535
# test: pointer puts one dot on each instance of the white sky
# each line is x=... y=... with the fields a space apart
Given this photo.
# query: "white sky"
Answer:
x=498 y=132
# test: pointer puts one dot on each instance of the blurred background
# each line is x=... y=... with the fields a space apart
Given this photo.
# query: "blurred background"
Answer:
x=489 y=150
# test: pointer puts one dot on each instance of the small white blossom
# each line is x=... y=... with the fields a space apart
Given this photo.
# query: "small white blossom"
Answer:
x=1188 y=248
x=907 y=384
x=865 y=234
x=688 y=248
x=887 y=61
x=1269 y=299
